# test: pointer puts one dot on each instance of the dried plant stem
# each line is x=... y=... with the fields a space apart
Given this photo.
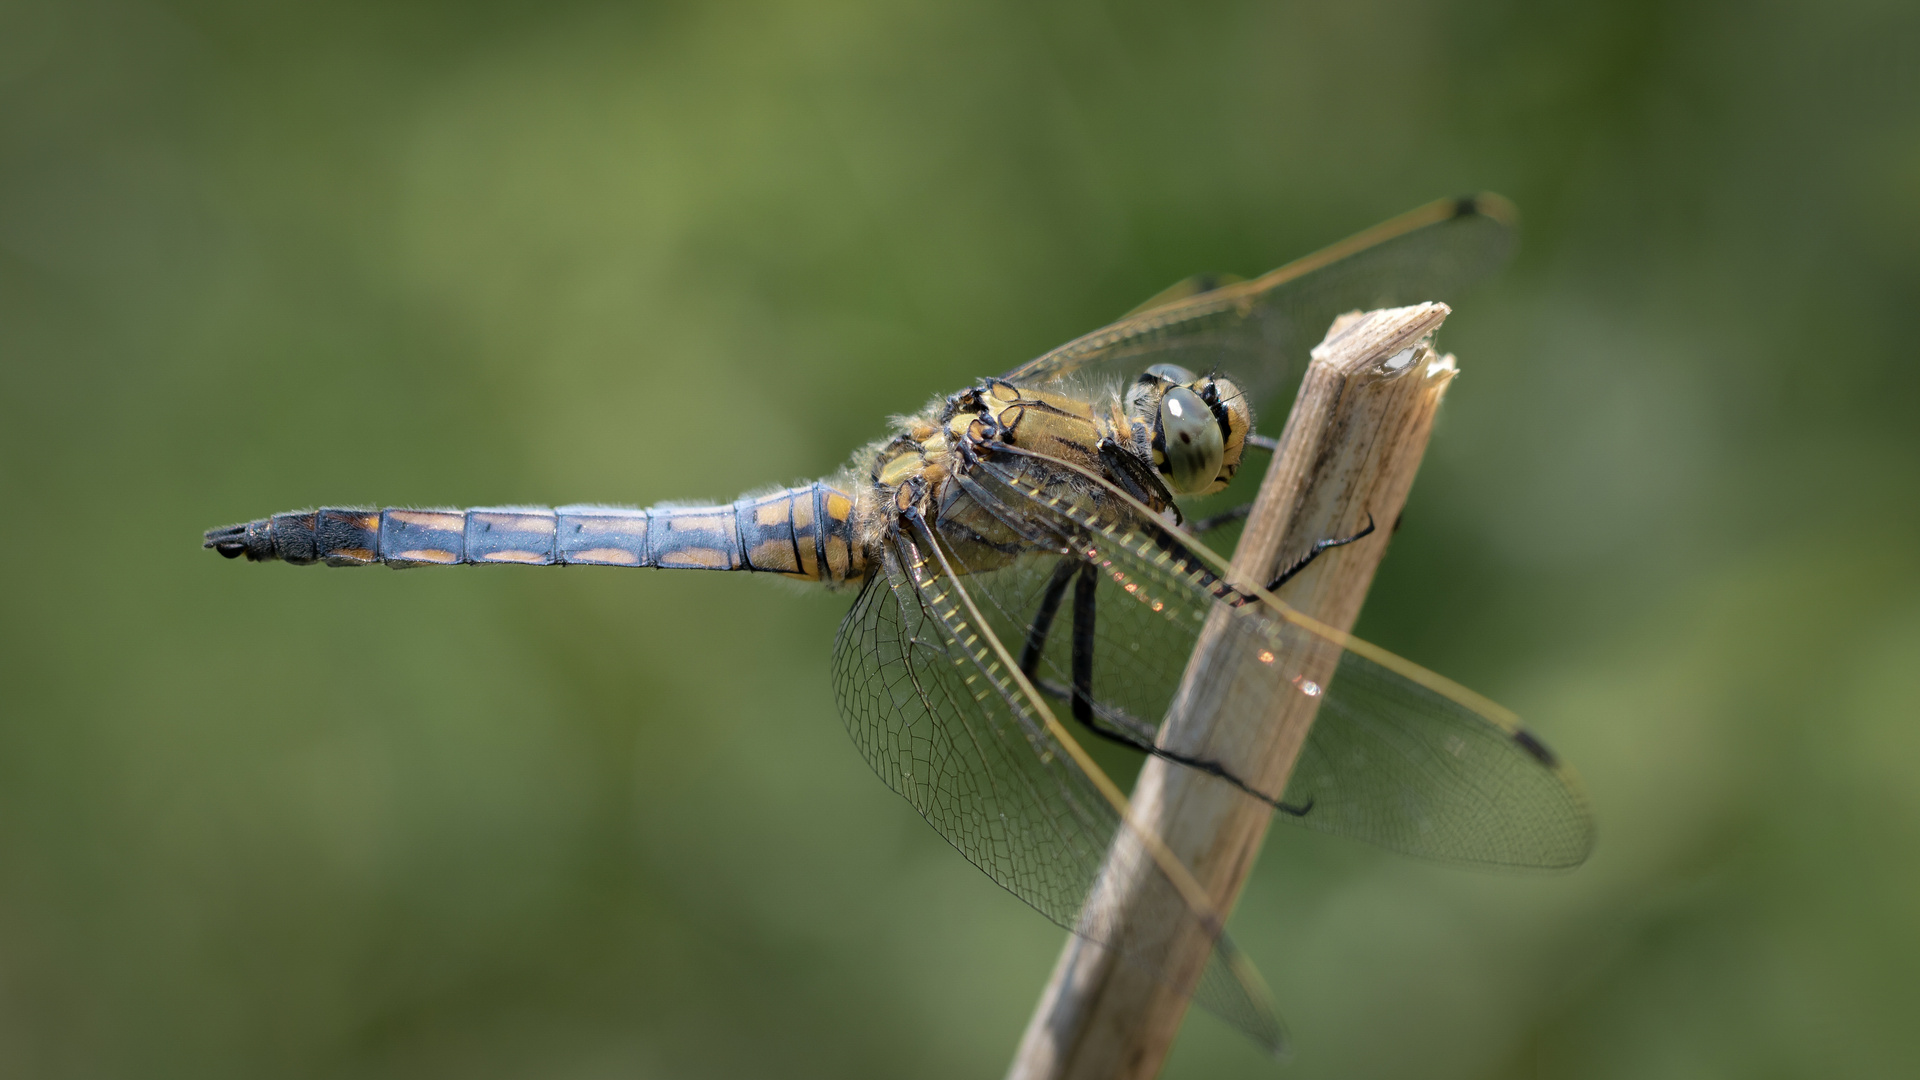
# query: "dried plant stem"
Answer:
x=1350 y=448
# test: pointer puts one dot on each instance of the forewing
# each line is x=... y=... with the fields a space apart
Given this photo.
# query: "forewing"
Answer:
x=942 y=722
x=1396 y=755
x=1257 y=330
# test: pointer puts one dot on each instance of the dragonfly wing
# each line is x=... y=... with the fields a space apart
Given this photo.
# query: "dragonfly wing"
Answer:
x=938 y=716
x=1185 y=288
x=1397 y=755
x=1122 y=651
x=1257 y=330
x=1413 y=769
x=988 y=779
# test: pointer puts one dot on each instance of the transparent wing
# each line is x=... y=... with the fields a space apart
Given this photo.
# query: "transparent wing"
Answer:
x=1184 y=289
x=1396 y=755
x=1257 y=330
x=1092 y=640
x=943 y=723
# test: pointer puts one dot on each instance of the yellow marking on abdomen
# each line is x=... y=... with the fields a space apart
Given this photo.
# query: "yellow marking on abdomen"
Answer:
x=837 y=557
x=429 y=519
x=773 y=555
x=803 y=526
x=515 y=557
x=429 y=555
x=698 y=558
x=618 y=556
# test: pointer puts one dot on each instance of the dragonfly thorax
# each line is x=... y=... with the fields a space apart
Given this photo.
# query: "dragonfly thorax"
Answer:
x=1169 y=434
x=923 y=468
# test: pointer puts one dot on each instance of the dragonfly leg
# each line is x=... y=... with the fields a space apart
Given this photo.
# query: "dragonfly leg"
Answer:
x=1083 y=644
x=1042 y=623
x=1081 y=694
x=1226 y=517
x=1318 y=547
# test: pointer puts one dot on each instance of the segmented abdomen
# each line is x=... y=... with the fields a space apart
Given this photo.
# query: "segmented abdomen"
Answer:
x=804 y=532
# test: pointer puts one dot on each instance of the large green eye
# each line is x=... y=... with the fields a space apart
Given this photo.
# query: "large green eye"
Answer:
x=1172 y=373
x=1190 y=435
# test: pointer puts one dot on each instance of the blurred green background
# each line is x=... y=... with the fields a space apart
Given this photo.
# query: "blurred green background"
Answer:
x=262 y=821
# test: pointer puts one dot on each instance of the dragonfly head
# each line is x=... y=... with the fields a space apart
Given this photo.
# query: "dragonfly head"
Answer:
x=1197 y=425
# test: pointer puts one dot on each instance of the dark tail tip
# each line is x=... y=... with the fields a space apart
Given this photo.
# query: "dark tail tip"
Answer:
x=247 y=538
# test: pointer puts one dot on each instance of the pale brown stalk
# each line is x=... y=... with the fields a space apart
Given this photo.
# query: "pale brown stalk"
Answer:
x=1350 y=448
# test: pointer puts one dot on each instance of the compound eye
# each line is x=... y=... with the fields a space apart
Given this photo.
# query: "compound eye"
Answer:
x=1193 y=446
x=1172 y=373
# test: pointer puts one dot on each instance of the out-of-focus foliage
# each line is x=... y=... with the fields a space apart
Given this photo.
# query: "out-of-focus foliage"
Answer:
x=260 y=821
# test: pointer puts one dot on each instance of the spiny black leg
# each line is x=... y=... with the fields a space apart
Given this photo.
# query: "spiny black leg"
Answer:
x=1211 y=768
x=1320 y=546
x=1082 y=694
x=1083 y=645
x=1225 y=517
x=1043 y=619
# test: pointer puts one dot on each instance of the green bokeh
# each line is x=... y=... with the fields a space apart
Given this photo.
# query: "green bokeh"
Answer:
x=261 y=821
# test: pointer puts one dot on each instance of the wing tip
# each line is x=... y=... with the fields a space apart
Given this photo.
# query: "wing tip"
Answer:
x=1487 y=204
x=1253 y=1013
x=1535 y=748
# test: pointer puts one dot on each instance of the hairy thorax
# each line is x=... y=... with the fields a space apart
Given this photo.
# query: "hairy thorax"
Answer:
x=917 y=468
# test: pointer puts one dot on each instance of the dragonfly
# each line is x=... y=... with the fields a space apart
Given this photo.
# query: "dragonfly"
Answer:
x=1028 y=567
